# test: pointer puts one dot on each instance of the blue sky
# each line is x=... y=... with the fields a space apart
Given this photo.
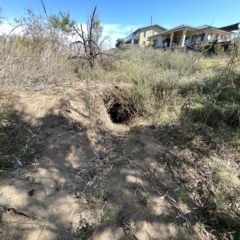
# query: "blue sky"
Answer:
x=121 y=16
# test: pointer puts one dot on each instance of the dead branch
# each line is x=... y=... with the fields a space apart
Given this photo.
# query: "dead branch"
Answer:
x=91 y=47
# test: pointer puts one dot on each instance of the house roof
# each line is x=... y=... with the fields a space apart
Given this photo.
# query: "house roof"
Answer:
x=155 y=25
x=177 y=28
x=180 y=27
x=203 y=26
x=230 y=28
x=186 y=26
x=131 y=36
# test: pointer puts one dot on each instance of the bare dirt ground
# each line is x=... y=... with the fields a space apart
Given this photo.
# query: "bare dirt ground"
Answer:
x=91 y=178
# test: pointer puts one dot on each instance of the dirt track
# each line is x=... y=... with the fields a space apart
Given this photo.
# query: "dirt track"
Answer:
x=91 y=178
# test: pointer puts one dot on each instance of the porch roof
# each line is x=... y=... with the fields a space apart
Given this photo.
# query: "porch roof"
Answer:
x=230 y=28
x=180 y=27
x=130 y=37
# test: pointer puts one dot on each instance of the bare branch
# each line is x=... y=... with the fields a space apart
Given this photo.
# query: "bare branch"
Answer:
x=90 y=39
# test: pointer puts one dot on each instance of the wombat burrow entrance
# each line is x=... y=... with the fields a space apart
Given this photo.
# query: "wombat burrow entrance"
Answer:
x=119 y=109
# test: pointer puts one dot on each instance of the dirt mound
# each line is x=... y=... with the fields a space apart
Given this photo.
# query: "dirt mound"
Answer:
x=91 y=178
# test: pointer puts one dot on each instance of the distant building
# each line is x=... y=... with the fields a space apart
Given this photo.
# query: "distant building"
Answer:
x=140 y=37
x=186 y=35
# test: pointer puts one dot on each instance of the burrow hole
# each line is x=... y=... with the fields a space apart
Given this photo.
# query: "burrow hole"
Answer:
x=118 y=108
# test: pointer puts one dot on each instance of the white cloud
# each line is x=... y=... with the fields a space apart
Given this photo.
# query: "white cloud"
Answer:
x=7 y=29
x=115 y=31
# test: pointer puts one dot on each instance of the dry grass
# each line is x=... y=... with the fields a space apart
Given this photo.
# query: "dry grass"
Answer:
x=197 y=92
x=18 y=143
x=29 y=64
x=155 y=77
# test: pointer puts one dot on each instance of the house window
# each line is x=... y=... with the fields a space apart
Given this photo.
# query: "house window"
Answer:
x=144 y=34
x=143 y=42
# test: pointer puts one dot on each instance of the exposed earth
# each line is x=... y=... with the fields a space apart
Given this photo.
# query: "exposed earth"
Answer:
x=91 y=178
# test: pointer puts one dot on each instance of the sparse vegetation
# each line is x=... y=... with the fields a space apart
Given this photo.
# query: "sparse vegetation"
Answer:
x=179 y=236
x=145 y=199
x=17 y=142
x=191 y=101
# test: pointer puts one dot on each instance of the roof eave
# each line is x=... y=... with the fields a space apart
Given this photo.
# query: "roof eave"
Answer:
x=219 y=30
x=171 y=31
x=149 y=27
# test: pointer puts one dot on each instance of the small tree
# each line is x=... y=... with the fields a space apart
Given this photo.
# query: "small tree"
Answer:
x=62 y=22
x=151 y=44
x=91 y=40
x=119 y=43
x=33 y=26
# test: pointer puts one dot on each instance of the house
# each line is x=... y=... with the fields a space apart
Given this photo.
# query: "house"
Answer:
x=234 y=28
x=140 y=37
x=186 y=35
